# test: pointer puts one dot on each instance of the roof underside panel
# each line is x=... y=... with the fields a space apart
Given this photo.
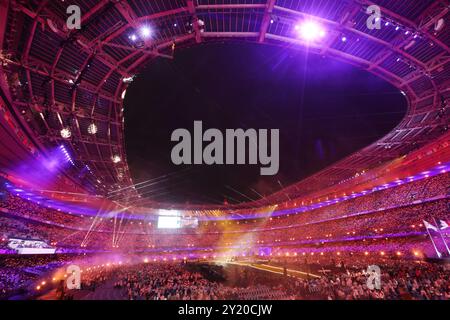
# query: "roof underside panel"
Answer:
x=77 y=77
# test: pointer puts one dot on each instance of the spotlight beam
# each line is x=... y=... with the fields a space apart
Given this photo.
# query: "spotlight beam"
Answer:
x=149 y=182
x=240 y=193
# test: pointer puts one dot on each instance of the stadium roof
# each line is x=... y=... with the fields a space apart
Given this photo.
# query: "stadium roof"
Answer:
x=58 y=78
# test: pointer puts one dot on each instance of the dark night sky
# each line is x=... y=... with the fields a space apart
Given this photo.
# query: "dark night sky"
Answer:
x=324 y=109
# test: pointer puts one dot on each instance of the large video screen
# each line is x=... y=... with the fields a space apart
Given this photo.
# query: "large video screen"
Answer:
x=25 y=246
x=167 y=222
x=172 y=219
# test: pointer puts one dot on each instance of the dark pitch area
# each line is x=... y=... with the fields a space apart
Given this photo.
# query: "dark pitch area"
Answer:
x=325 y=110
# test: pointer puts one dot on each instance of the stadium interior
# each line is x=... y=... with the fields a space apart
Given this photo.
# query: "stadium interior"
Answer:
x=79 y=222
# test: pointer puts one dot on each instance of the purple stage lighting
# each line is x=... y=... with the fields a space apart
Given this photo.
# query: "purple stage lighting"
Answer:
x=310 y=31
x=66 y=154
x=146 y=32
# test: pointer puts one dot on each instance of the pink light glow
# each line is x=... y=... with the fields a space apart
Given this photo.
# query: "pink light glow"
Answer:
x=310 y=31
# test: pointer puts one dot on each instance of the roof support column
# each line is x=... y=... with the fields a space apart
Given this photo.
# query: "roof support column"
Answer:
x=266 y=20
x=195 y=25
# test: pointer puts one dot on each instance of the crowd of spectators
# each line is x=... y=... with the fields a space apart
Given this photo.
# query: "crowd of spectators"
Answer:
x=170 y=281
x=17 y=273
x=400 y=280
x=377 y=213
x=327 y=277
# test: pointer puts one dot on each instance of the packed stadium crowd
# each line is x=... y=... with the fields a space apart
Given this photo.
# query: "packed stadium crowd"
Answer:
x=325 y=276
x=400 y=280
x=12 y=280
x=166 y=282
x=377 y=226
x=380 y=213
x=17 y=273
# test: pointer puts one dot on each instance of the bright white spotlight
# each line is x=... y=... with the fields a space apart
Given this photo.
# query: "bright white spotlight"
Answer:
x=116 y=158
x=133 y=37
x=92 y=128
x=310 y=31
x=146 y=32
x=128 y=79
x=439 y=25
x=66 y=133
